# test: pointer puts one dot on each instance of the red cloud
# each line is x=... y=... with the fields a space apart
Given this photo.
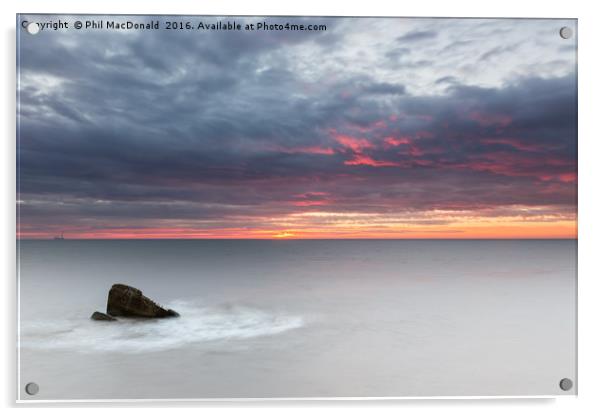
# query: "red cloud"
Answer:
x=521 y=165
x=393 y=141
x=315 y=150
x=360 y=159
x=413 y=150
x=356 y=145
x=310 y=203
x=563 y=177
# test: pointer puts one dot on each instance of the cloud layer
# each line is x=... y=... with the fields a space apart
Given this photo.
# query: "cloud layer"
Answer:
x=374 y=127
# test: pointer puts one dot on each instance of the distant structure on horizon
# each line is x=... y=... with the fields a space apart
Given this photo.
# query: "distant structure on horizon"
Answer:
x=59 y=237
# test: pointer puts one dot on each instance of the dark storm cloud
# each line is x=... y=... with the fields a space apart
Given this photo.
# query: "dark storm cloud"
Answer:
x=417 y=35
x=497 y=51
x=396 y=54
x=167 y=126
x=447 y=80
x=385 y=88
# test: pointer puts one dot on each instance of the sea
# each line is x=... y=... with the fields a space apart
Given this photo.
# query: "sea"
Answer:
x=299 y=318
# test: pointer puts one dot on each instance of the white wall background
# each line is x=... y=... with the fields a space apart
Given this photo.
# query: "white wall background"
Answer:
x=590 y=348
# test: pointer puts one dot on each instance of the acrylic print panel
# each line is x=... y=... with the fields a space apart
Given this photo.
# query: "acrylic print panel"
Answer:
x=368 y=207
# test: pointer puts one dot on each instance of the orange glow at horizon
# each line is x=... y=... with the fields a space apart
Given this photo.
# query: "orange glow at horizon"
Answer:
x=337 y=225
x=567 y=231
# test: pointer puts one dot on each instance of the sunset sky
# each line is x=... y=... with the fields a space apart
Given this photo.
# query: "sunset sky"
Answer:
x=374 y=128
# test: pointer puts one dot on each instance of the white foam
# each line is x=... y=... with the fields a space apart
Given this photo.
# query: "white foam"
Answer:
x=196 y=325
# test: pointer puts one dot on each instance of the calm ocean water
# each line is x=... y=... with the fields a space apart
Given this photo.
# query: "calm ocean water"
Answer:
x=315 y=318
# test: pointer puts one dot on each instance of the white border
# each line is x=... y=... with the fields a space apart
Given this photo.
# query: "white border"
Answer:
x=590 y=286
x=287 y=399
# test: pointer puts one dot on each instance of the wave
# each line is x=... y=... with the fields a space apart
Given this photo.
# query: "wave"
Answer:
x=196 y=325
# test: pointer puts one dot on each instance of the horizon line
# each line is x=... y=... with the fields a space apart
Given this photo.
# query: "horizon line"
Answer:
x=299 y=239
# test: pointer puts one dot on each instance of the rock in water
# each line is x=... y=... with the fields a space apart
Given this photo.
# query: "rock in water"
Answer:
x=99 y=316
x=128 y=301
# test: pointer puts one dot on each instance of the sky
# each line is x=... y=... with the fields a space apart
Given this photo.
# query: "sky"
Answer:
x=373 y=128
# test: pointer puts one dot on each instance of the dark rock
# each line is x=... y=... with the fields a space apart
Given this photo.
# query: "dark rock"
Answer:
x=130 y=302
x=99 y=316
